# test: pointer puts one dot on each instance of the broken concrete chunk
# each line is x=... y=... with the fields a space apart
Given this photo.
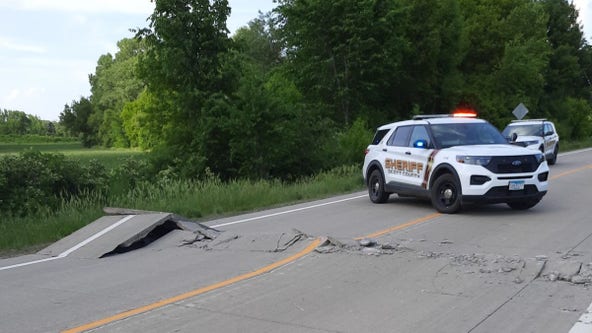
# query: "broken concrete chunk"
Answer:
x=578 y=279
x=388 y=247
x=371 y=251
x=561 y=270
x=366 y=242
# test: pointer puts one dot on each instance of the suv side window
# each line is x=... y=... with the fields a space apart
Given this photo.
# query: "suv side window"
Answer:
x=400 y=137
x=379 y=135
x=419 y=133
x=548 y=129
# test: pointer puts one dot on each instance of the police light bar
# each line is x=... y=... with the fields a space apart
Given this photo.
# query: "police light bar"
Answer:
x=464 y=113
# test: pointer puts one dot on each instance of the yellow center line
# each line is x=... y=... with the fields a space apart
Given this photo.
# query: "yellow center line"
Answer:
x=589 y=166
x=400 y=226
x=174 y=299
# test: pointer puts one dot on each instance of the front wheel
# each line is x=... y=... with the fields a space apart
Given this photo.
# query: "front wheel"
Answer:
x=446 y=194
x=376 y=187
x=523 y=205
x=553 y=159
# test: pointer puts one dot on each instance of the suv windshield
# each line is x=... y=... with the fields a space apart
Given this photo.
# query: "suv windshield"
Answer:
x=455 y=134
x=523 y=130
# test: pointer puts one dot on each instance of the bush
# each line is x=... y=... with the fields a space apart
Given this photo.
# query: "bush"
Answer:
x=129 y=175
x=32 y=180
x=348 y=146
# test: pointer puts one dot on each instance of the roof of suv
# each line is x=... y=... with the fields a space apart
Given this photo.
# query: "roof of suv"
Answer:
x=528 y=122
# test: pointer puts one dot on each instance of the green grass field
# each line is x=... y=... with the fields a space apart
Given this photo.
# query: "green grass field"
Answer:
x=109 y=157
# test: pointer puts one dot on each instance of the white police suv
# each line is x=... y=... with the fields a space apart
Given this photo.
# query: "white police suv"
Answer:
x=537 y=134
x=453 y=160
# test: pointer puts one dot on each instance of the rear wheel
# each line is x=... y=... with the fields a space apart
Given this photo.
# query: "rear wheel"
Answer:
x=446 y=194
x=523 y=205
x=376 y=187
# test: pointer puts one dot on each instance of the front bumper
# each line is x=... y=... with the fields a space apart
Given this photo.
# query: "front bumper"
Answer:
x=501 y=194
x=497 y=187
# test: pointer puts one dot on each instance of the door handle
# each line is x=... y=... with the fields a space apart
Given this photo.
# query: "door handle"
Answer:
x=384 y=149
x=407 y=153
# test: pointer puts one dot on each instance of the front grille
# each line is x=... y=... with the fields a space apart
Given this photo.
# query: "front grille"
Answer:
x=513 y=164
x=504 y=192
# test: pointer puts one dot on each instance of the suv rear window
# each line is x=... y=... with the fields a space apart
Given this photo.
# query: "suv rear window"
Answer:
x=379 y=135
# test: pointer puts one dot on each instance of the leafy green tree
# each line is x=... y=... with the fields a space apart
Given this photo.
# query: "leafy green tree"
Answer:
x=374 y=58
x=15 y=122
x=75 y=119
x=187 y=45
x=140 y=131
x=261 y=42
x=568 y=73
x=114 y=84
x=275 y=135
x=505 y=55
x=339 y=52
x=432 y=44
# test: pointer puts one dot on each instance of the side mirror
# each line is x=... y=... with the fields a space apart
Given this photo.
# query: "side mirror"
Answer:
x=514 y=137
x=420 y=144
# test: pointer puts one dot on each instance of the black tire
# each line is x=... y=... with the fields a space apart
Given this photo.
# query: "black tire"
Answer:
x=553 y=159
x=446 y=194
x=376 y=187
x=523 y=205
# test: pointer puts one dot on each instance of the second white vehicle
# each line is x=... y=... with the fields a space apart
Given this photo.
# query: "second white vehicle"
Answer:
x=537 y=134
x=453 y=161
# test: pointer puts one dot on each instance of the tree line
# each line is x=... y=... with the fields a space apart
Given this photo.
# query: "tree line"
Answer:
x=301 y=88
x=18 y=123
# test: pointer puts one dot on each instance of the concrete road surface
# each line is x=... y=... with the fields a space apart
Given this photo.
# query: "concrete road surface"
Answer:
x=337 y=265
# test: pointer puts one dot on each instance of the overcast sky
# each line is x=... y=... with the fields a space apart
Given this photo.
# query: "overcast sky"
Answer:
x=49 y=47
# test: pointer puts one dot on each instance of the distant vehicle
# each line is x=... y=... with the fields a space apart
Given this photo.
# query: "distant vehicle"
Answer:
x=538 y=134
x=451 y=161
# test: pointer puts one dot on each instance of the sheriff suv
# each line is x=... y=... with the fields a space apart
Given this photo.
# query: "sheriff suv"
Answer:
x=537 y=134
x=452 y=161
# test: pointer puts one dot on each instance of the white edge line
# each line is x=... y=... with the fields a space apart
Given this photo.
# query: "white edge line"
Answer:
x=75 y=247
x=95 y=236
x=287 y=212
x=573 y=152
x=28 y=263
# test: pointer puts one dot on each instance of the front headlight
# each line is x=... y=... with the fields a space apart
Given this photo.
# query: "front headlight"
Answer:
x=539 y=158
x=476 y=160
x=530 y=143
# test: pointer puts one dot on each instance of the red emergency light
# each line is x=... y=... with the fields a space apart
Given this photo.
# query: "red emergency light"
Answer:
x=464 y=113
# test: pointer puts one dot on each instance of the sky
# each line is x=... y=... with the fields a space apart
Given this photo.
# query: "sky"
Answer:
x=48 y=48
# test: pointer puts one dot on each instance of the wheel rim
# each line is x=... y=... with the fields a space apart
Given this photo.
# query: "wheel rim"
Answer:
x=447 y=194
x=375 y=186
